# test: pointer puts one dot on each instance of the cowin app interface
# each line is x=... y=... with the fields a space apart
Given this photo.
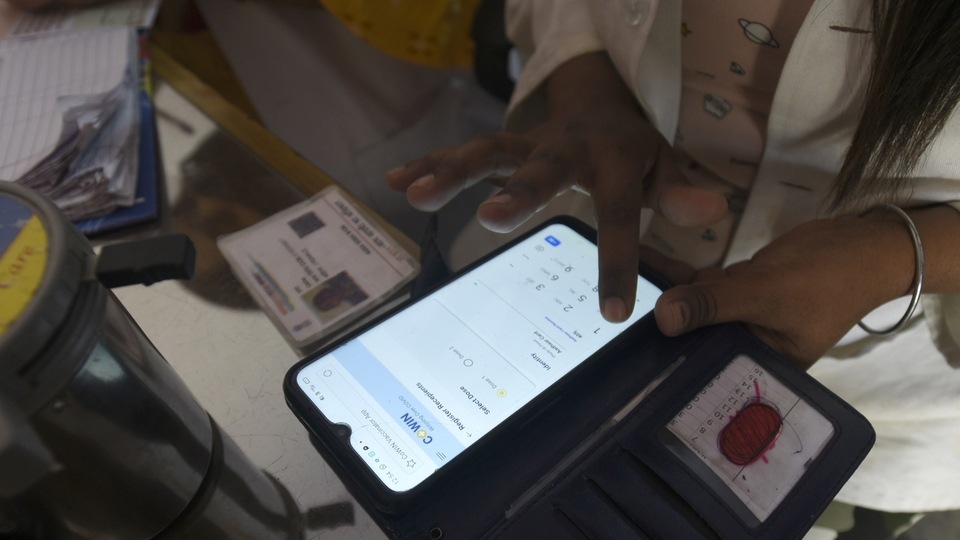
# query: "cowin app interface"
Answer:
x=419 y=388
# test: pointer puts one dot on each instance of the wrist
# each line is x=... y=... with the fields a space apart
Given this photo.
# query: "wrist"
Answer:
x=589 y=82
x=889 y=254
x=939 y=228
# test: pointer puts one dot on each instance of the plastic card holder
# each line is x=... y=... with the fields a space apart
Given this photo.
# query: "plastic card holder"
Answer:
x=573 y=471
x=767 y=468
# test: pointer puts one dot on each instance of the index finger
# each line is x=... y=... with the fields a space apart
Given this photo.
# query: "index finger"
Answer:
x=617 y=211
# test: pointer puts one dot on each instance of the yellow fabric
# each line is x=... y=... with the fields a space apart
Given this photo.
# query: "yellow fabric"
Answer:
x=433 y=33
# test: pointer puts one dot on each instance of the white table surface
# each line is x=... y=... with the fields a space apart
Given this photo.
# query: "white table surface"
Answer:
x=233 y=359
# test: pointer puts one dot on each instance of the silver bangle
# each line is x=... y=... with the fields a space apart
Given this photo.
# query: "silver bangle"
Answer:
x=917 y=286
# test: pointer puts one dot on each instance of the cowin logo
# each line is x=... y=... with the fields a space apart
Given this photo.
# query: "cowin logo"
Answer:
x=414 y=426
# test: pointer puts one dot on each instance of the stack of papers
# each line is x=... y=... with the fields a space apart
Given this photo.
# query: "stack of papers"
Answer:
x=70 y=110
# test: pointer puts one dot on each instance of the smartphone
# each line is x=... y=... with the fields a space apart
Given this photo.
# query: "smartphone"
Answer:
x=407 y=397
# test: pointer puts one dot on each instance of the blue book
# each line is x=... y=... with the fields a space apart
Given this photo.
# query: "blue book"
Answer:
x=146 y=206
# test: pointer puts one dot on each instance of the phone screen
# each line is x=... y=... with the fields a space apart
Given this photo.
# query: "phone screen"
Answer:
x=419 y=388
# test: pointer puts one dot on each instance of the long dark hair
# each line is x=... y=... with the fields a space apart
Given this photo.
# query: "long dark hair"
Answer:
x=914 y=86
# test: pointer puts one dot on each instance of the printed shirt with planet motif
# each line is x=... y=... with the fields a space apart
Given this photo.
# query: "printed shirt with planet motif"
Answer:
x=732 y=54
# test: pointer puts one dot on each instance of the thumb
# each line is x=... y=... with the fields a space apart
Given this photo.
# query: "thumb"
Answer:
x=689 y=206
x=672 y=195
x=685 y=308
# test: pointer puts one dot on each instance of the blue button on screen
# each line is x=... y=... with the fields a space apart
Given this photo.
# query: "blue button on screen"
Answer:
x=552 y=240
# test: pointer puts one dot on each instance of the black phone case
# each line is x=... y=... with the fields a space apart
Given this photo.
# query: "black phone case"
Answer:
x=630 y=485
x=561 y=469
